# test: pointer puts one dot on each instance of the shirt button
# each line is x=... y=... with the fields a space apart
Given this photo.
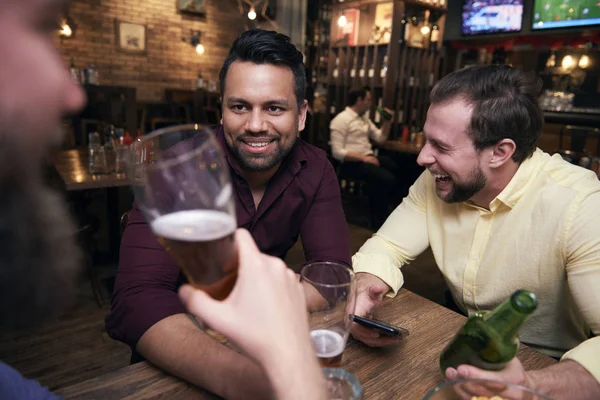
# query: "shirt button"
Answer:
x=469 y=294
x=475 y=258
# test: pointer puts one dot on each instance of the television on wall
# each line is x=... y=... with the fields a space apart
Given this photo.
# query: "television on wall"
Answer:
x=550 y=14
x=481 y=17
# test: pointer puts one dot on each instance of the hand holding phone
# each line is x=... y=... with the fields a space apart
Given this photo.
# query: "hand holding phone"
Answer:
x=381 y=327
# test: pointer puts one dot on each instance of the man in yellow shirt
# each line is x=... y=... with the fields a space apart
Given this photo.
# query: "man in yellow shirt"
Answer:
x=499 y=215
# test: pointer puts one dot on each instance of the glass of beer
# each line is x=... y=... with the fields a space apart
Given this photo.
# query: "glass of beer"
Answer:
x=331 y=297
x=182 y=185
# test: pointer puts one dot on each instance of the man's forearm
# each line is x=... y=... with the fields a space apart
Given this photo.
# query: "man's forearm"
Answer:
x=350 y=156
x=178 y=346
x=386 y=126
x=565 y=380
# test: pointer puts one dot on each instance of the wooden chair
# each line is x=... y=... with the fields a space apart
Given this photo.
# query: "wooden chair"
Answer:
x=84 y=236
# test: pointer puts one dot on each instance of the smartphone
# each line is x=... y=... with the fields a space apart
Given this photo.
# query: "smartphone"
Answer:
x=381 y=327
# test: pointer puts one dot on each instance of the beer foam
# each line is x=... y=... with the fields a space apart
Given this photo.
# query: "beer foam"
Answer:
x=194 y=225
x=327 y=343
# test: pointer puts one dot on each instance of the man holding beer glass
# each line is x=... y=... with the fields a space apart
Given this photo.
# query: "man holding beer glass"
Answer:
x=280 y=188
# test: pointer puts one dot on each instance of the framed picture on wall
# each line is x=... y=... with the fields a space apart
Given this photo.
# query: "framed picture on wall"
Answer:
x=191 y=6
x=131 y=38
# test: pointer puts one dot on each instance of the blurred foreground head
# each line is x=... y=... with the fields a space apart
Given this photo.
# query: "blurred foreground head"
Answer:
x=39 y=260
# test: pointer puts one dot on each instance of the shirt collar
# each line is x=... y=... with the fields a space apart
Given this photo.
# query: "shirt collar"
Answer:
x=519 y=183
x=354 y=114
x=293 y=162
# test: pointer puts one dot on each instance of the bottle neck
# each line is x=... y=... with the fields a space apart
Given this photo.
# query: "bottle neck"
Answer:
x=506 y=320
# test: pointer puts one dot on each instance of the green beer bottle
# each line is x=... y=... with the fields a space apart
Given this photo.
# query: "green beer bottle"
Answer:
x=489 y=340
x=386 y=115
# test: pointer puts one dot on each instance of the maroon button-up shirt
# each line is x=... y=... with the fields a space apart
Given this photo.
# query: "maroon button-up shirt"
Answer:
x=302 y=199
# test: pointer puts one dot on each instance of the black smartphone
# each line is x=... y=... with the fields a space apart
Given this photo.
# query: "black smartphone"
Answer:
x=381 y=327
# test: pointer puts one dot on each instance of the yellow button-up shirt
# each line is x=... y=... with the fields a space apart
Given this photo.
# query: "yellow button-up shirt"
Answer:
x=541 y=233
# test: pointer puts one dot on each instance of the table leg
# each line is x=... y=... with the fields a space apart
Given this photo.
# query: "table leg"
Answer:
x=114 y=234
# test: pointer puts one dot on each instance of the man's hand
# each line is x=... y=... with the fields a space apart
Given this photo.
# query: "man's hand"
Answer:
x=564 y=380
x=267 y=301
x=371 y=160
x=265 y=316
x=512 y=373
x=369 y=294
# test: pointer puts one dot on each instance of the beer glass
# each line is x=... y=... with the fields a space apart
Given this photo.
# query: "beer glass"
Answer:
x=331 y=298
x=182 y=185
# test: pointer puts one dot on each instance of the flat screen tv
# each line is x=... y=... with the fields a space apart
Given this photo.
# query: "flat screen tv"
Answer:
x=481 y=17
x=549 y=14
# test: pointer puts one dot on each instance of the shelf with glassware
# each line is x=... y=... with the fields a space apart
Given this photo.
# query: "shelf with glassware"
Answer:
x=400 y=64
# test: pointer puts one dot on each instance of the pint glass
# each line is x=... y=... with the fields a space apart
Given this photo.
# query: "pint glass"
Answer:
x=182 y=185
x=331 y=298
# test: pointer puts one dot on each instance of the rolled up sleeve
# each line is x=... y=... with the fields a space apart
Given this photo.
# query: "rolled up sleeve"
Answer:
x=399 y=241
x=338 y=131
x=146 y=284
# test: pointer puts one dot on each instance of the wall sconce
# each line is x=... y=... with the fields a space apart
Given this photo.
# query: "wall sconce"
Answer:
x=342 y=21
x=551 y=61
x=252 y=13
x=425 y=30
x=195 y=41
x=568 y=62
x=584 y=61
x=66 y=28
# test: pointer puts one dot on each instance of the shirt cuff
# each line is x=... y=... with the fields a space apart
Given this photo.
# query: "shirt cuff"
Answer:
x=586 y=354
x=340 y=154
x=380 y=267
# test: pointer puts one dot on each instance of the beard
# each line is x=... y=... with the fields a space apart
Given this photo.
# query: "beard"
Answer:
x=464 y=191
x=262 y=162
x=39 y=258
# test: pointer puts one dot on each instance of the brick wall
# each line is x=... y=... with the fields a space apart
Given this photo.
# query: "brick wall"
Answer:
x=168 y=63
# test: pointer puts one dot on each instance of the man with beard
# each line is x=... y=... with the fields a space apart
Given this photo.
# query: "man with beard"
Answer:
x=499 y=215
x=351 y=132
x=38 y=257
x=284 y=188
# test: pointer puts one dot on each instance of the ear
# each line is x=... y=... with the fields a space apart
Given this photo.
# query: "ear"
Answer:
x=302 y=115
x=502 y=153
x=222 y=106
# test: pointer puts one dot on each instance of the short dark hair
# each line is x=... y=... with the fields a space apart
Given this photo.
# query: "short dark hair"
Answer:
x=504 y=101
x=267 y=47
x=357 y=93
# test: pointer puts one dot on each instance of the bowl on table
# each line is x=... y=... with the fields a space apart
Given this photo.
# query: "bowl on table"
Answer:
x=481 y=389
x=342 y=385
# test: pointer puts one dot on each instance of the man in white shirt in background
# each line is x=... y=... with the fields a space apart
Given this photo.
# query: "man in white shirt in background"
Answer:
x=351 y=132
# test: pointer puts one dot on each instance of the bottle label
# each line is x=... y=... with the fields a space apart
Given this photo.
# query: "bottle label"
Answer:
x=335 y=73
x=371 y=73
x=361 y=73
x=352 y=73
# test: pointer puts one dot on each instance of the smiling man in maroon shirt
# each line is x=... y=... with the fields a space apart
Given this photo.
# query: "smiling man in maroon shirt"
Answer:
x=285 y=188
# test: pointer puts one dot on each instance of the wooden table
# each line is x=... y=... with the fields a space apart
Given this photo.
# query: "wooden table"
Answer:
x=398 y=146
x=72 y=166
x=406 y=371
